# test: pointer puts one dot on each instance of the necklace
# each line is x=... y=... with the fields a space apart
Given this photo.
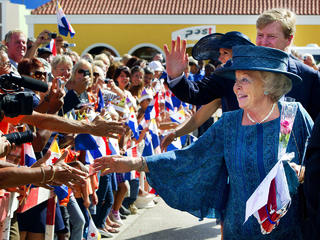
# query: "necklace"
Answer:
x=268 y=115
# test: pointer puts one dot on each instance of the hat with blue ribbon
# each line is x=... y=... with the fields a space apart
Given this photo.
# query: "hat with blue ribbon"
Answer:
x=256 y=58
x=208 y=46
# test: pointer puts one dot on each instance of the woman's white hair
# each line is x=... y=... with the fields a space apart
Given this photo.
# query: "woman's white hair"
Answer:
x=275 y=84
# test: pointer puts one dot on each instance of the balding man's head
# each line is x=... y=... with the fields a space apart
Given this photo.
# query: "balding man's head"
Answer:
x=16 y=42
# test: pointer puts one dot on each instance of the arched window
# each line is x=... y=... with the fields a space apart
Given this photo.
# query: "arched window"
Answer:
x=145 y=51
x=98 y=48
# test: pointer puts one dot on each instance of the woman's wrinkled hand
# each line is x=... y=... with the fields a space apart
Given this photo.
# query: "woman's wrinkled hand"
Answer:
x=167 y=140
x=114 y=163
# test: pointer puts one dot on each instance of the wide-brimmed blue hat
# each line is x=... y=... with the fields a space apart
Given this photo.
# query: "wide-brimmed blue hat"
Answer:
x=208 y=46
x=257 y=59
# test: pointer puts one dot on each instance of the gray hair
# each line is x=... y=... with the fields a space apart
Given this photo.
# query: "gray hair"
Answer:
x=65 y=59
x=275 y=84
x=104 y=58
x=8 y=36
x=78 y=65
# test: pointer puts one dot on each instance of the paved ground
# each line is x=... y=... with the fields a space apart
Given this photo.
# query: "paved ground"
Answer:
x=165 y=223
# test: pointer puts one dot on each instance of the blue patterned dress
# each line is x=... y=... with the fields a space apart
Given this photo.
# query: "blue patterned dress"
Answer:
x=195 y=179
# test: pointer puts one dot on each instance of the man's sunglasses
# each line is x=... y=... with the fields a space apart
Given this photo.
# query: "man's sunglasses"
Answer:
x=84 y=72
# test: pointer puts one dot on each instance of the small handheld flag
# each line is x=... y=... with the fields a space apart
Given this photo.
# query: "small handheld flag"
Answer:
x=55 y=152
x=52 y=46
x=28 y=156
x=133 y=123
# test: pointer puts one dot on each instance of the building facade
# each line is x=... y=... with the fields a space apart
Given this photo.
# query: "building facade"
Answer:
x=142 y=27
x=12 y=16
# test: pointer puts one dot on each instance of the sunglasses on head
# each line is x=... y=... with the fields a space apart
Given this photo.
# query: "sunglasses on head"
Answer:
x=84 y=72
x=39 y=74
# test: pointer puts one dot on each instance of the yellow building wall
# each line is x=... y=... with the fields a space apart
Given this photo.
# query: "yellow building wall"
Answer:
x=124 y=37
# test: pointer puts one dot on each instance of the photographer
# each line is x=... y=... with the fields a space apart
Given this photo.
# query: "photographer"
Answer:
x=49 y=102
x=43 y=39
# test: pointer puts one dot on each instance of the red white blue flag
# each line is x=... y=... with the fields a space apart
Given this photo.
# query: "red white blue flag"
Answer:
x=63 y=24
x=28 y=156
x=133 y=123
x=52 y=47
x=153 y=129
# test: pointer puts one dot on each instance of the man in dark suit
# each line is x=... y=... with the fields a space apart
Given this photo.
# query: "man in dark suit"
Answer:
x=275 y=28
x=311 y=183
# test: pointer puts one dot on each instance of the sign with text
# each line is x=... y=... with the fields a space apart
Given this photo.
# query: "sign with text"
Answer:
x=193 y=33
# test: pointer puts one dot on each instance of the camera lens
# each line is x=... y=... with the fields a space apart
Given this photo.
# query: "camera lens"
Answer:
x=19 y=137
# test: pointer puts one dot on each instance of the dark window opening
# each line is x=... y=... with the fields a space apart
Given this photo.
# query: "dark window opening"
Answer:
x=97 y=50
x=146 y=53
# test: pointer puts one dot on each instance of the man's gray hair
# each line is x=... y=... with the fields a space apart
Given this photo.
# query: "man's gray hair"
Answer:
x=8 y=36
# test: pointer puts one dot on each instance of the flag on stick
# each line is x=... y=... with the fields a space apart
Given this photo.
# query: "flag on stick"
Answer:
x=63 y=24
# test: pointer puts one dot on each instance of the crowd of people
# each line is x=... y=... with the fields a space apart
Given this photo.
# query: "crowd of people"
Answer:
x=104 y=130
x=88 y=96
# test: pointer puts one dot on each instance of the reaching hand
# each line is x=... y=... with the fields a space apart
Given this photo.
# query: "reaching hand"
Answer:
x=102 y=127
x=177 y=58
x=167 y=140
x=43 y=38
x=114 y=163
x=55 y=96
x=5 y=147
x=64 y=174
x=60 y=173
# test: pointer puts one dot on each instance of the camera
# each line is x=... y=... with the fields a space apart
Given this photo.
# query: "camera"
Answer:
x=16 y=104
x=13 y=101
x=52 y=35
x=106 y=81
x=19 y=137
x=67 y=45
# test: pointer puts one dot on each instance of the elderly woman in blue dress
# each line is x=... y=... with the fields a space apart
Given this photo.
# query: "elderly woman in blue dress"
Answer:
x=218 y=173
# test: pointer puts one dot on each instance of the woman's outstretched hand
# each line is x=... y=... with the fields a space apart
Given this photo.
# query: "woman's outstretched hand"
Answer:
x=177 y=58
x=167 y=140
x=119 y=164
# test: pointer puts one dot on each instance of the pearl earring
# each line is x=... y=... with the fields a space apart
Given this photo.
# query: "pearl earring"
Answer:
x=266 y=93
